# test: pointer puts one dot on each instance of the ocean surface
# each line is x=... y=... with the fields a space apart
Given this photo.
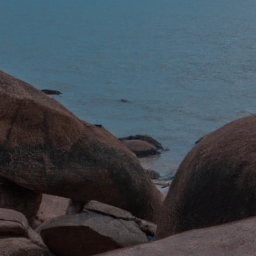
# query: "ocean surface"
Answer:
x=188 y=67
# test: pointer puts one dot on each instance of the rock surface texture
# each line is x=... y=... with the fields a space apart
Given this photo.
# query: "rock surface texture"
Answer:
x=232 y=239
x=17 y=238
x=98 y=229
x=46 y=149
x=215 y=183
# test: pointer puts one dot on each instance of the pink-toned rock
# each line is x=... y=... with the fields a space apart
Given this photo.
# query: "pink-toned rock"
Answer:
x=51 y=207
x=17 y=238
x=46 y=149
x=140 y=148
x=13 y=223
x=147 y=227
x=89 y=233
x=232 y=239
x=215 y=183
x=20 y=246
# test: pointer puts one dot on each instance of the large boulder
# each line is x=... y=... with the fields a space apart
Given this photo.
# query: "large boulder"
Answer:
x=216 y=181
x=45 y=148
x=233 y=239
x=98 y=229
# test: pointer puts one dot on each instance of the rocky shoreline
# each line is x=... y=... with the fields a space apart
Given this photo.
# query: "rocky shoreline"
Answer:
x=71 y=188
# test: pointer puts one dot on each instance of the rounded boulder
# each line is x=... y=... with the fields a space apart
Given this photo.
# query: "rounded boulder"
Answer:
x=215 y=183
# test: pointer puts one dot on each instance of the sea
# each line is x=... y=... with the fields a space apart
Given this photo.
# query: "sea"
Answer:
x=187 y=67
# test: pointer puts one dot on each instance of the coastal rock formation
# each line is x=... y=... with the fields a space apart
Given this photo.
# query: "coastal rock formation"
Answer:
x=140 y=148
x=98 y=229
x=236 y=239
x=215 y=183
x=46 y=149
x=17 y=238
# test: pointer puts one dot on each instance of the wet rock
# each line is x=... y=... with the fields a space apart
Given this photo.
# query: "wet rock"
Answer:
x=215 y=183
x=236 y=238
x=140 y=148
x=152 y=174
x=126 y=101
x=45 y=148
x=89 y=233
x=51 y=207
x=51 y=92
x=146 y=138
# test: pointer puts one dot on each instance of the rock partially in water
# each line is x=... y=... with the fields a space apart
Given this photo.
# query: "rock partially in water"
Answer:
x=51 y=92
x=140 y=148
x=152 y=174
x=146 y=138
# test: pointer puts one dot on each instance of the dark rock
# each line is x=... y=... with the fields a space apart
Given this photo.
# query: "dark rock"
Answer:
x=19 y=198
x=215 y=183
x=98 y=125
x=236 y=239
x=89 y=233
x=75 y=206
x=51 y=92
x=152 y=174
x=144 y=138
x=46 y=149
x=126 y=101
x=140 y=148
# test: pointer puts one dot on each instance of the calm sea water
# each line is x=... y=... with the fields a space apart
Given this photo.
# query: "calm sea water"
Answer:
x=188 y=67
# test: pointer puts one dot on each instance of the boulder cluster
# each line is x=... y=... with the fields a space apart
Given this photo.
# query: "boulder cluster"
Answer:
x=70 y=188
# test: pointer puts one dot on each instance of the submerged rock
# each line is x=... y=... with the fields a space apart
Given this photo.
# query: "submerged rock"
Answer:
x=46 y=149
